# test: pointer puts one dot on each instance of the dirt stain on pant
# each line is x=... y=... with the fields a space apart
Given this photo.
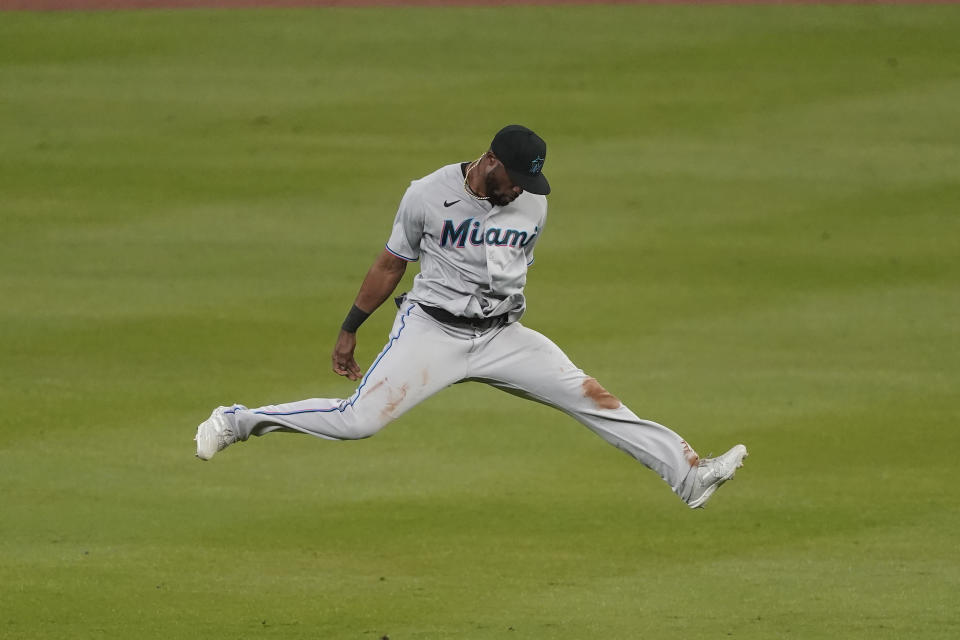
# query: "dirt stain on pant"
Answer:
x=692 y=458
x=394 y=398
x=600 y=396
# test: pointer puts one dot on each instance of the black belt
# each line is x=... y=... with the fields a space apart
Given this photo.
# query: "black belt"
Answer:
x=441 y=315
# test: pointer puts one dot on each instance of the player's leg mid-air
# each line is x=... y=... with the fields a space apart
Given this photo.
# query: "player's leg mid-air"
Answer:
x=424 y=356
x=706 y=475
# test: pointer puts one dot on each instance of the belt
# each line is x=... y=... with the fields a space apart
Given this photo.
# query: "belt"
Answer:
x=441 y=315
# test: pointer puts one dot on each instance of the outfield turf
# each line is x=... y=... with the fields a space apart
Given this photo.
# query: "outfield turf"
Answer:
x=754 y=236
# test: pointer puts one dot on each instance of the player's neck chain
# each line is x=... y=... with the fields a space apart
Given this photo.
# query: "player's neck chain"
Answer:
x=466 y=181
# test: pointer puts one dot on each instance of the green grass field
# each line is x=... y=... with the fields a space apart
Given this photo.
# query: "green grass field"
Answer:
x=754 y=236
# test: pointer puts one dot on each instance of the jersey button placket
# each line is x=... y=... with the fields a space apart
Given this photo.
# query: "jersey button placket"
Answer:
x=487 y=248
x=486 y=264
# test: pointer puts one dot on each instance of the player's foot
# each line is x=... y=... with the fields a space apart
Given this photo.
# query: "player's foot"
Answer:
x=713 y=472
x=214 y=434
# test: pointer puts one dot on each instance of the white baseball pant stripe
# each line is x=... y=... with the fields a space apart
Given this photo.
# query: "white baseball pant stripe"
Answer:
x=424 y=356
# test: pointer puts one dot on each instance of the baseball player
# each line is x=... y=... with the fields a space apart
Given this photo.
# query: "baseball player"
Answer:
x=473 y=226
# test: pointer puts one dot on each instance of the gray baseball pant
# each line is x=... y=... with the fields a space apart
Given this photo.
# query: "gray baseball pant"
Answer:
x=423 y=356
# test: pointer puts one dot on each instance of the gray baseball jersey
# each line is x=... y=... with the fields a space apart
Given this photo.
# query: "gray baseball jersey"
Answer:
x=474 y=256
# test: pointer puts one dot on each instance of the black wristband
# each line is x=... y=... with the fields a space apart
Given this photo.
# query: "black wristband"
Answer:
x=354 y=319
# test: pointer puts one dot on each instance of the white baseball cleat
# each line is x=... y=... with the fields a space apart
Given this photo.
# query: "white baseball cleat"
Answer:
x=214 y=434
x=713 y=472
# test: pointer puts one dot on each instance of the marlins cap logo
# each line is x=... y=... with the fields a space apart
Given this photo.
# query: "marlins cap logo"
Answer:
x=535 y=165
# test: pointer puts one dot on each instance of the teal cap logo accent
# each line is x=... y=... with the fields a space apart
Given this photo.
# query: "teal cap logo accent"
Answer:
x=535 y=165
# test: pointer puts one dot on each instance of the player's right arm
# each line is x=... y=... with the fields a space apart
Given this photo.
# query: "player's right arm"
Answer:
x=383 y=277
x=381 y=281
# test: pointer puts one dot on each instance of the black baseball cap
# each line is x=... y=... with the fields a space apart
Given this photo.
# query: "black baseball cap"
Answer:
x=522 y=153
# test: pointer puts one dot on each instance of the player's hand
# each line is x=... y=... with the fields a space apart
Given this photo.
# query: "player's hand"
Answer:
x=343 y=361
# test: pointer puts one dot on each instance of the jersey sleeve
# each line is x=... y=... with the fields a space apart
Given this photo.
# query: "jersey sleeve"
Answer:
x=528 y=248
x=408 y=224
